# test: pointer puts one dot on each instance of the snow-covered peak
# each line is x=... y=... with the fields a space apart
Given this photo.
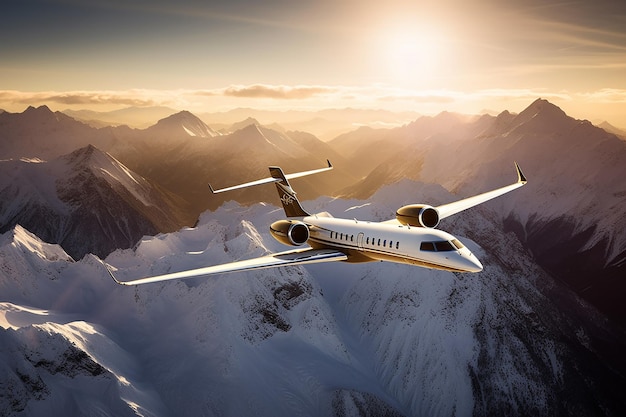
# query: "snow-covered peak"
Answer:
x=262 y=139
x=26 y=242
x=185 y=123
x=542 y=117
x=87 y=201
x=105 y=166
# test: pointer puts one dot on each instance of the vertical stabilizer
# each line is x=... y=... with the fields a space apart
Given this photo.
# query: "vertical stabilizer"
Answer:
x=287 y=195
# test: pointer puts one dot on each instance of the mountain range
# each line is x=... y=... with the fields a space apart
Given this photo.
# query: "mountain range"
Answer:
x=465 y=154
x=573 y=219
x=557 y=246
x=325 y=124
x=344 y=340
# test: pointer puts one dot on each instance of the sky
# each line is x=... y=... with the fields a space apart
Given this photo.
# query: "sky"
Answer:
x=207 y=56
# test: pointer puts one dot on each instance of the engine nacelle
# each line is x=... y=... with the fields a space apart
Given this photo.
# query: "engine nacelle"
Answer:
x=290 y=232
x=418 y=215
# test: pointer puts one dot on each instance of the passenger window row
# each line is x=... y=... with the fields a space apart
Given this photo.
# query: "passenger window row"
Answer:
x=374 y=241
x=383 y=243
x=341 y=236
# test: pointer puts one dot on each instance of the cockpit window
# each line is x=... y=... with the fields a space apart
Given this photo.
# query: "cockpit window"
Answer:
x=441 y=246
x=427 y=247
x=444 y=246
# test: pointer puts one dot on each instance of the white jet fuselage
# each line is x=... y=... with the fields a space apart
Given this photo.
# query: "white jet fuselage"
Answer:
x=389 y=241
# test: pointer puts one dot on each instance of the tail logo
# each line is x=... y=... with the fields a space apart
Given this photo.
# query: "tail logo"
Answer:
x=287 y=199
x=288 y=195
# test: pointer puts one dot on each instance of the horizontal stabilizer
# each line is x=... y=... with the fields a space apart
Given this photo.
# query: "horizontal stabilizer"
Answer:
x=272 y=180
x=294 y=257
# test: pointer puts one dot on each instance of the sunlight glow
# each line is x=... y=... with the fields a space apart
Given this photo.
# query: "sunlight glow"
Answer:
x=414 y=55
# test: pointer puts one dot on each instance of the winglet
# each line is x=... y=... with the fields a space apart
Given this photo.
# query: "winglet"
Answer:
x=108 y=268
x=520 y=175
x=211 y=188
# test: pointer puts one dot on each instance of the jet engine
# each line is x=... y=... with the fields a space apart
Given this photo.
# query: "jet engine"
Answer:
x=418 y=215
x=290 y=232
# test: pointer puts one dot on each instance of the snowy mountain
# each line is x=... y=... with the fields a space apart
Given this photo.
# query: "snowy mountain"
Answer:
x=87 y=201
x=184 y=165
x=325 y=124
x=572 y=221
x=180 y=124
x=179 y=154
x=571 y=217
x=345 y=340
x=137 y=117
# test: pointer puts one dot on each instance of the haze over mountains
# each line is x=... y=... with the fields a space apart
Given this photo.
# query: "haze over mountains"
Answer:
x=93 y=190
x=571 y=221
x=325 y=124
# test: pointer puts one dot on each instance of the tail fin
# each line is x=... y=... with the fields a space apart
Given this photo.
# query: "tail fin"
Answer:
x=287 y=195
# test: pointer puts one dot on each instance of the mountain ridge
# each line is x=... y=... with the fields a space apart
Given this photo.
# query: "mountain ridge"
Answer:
x=568 y=219
x=339 y=339
x=86 y=200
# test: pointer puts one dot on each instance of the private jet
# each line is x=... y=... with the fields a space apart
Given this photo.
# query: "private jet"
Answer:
x=411 y=238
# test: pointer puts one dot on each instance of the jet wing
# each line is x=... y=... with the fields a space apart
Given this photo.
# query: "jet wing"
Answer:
x=294 y=257
x=448 y=210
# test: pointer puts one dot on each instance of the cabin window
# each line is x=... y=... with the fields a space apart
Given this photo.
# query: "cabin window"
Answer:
x=385 y=242
x=378 y=242
x=391 y=244
x=341 y=238
x=368 y=240
x=331 y=235
x=397 y=245
x=351 y=238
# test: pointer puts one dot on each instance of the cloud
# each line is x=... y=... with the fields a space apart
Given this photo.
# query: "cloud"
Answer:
x=599 y=103
x=278 y=92
x=606 y=95
x=87 y=98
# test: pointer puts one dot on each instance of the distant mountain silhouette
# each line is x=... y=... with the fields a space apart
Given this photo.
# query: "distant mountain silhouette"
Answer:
x=39 y=132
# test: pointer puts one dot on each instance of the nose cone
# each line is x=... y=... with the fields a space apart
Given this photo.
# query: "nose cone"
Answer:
x=472 y=264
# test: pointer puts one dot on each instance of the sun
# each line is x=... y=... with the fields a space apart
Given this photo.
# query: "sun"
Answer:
x=413 y=55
